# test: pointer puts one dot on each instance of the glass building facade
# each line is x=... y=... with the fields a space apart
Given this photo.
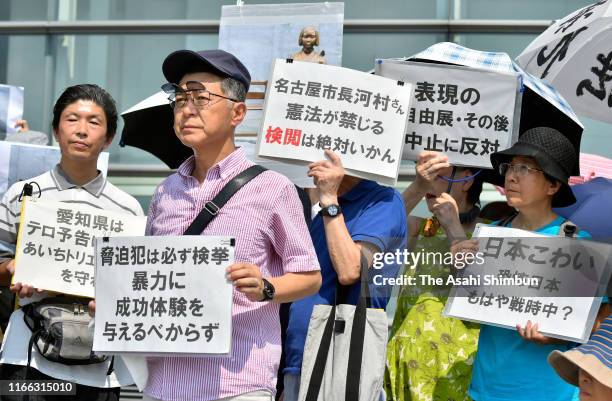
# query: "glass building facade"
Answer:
x=46 y=45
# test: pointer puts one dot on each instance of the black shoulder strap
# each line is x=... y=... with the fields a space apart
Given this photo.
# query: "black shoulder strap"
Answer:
x=506 y=221
x=353 y=373
x=211 y=208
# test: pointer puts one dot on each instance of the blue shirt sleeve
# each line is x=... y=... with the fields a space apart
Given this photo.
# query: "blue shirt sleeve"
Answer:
x=383 y=222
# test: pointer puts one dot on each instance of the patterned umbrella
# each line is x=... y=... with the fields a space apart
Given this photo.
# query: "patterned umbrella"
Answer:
x=575 y=55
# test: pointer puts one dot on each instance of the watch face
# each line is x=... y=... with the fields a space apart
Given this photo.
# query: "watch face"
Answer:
x=268 y=290
x=332 y=210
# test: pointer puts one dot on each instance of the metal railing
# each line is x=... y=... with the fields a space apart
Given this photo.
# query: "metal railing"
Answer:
x=124 y=27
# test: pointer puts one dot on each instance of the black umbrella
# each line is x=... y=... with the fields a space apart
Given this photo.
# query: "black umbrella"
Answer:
x=148 y=126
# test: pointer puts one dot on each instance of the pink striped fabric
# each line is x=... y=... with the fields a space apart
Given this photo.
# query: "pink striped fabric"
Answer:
x=267 y=220
x=592 y=166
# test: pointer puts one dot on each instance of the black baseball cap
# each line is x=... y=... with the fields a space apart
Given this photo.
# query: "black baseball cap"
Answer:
x=217 y=61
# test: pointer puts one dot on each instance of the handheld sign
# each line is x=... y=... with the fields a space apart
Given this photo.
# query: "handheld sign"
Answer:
x=313 y=107
x=552 y=281
x=160 y=295
x=55 y=243
x=464 y=112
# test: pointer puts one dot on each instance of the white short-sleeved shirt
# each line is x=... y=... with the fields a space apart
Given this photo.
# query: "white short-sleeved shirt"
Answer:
x=56 y=185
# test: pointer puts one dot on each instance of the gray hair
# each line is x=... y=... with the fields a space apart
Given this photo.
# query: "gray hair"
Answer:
x=234 y=89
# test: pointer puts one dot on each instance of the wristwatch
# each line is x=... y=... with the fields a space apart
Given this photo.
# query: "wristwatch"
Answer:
x=268 y=291
x=331 y=211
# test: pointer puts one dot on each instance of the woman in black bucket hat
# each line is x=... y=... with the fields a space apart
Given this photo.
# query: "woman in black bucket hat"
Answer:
x=541 y=149
x=512 y=365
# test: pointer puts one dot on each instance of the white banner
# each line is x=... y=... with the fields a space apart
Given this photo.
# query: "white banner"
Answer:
x=568 y=272
x=19 y=161
x=159 y=295
x=11 y=108
x=55 y=243
x=312 y=107
x=463 y=112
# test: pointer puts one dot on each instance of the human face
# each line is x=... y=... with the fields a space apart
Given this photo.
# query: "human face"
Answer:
x=212 y=124
x=591 y=389
x=531 y=189
x=309 y=38
x=81 y=132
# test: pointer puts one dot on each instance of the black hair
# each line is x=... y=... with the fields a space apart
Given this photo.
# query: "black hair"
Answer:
x=90 y=92
x=473 y=193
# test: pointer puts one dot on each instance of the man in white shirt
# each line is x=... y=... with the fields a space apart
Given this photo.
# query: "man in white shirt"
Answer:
x=84 y=124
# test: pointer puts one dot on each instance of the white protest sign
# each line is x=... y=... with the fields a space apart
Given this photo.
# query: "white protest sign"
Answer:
x=159 y=295
x=312 y=107
x=525 y=276
x=11 y=108
x=20 y=161
x=55 y=243
x=464 y=112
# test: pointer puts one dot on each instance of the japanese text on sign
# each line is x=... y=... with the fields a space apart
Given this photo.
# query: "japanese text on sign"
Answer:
x=466 y=113
x=156 y=295
x=558 y=279
x=359 y=116
x=55 y=245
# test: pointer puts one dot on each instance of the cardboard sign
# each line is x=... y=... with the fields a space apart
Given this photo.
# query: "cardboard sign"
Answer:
x=313 y=107
x=463 y=112
x=159 y=295
x=552 y=281
x=55 y=243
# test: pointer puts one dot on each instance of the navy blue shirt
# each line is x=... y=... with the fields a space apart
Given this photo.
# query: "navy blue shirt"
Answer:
x=373 y=214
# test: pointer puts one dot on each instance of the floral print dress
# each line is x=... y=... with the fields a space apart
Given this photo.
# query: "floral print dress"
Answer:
x=429 y=356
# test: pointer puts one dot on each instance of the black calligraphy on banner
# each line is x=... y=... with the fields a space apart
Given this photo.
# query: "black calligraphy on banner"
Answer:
x=342 y=119
x=585 y=13
x=159 y=307
x=604 y=75
x=87 y=220
x=558 y=53
x=82 y=278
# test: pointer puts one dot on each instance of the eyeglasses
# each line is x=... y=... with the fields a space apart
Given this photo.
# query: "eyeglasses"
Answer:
x=521 y=170
x=200 y=96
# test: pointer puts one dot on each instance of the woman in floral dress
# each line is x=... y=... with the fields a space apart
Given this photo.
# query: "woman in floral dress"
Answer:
x=430 y=356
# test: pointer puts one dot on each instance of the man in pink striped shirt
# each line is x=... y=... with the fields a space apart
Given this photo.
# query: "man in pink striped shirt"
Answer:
x=274 y=254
